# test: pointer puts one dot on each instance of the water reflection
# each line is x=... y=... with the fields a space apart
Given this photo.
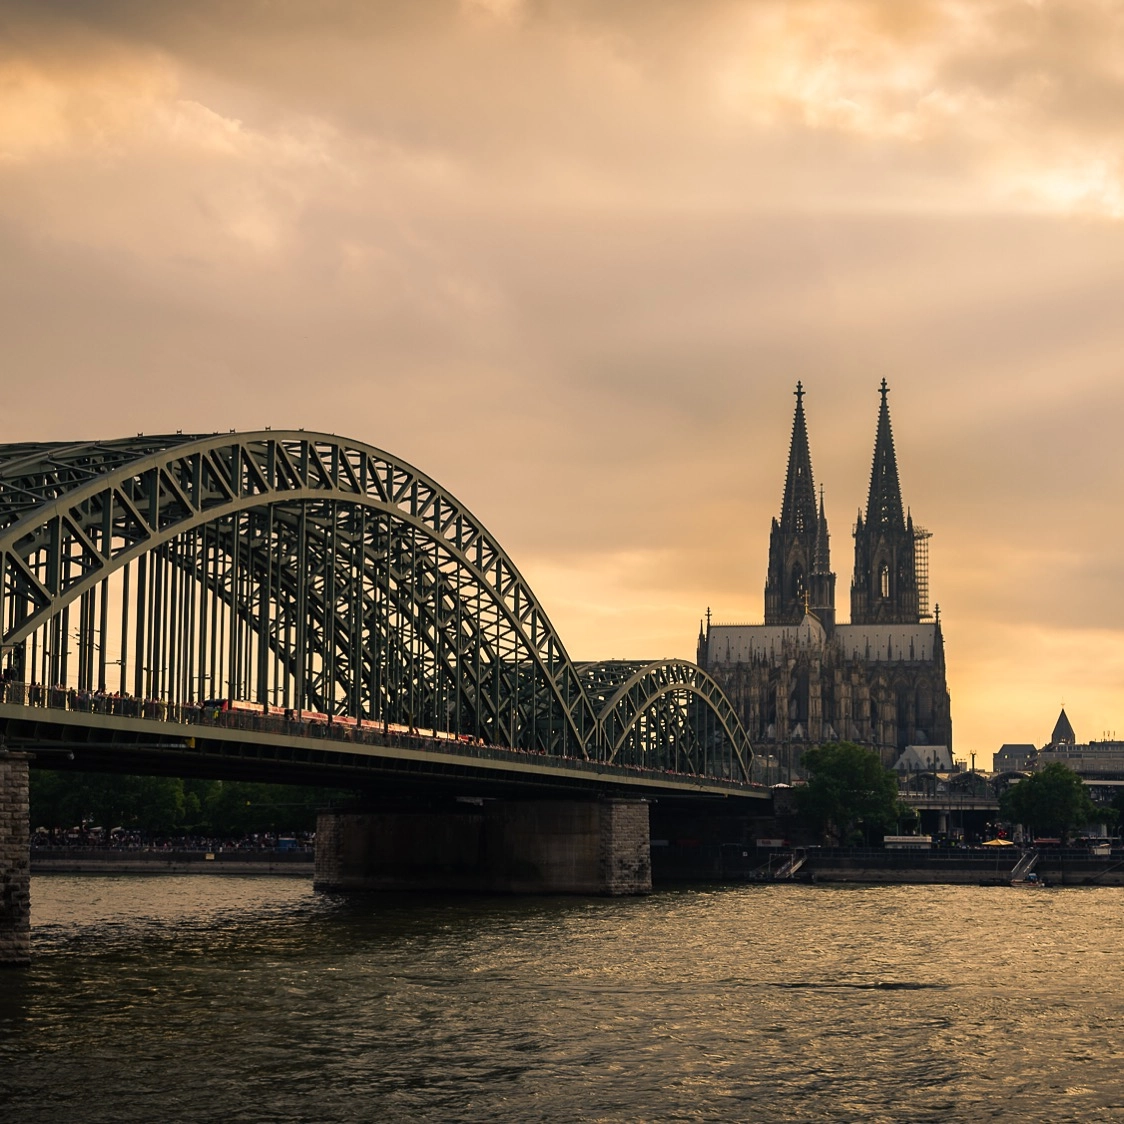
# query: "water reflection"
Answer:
x=204 y=998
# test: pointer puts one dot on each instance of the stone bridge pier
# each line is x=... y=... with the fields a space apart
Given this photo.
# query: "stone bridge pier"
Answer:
x=15 y=861
x=596 y=846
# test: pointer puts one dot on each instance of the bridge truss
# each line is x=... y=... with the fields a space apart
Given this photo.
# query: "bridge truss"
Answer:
x=308 y=572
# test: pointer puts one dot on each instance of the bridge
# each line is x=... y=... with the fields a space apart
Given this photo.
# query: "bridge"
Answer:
x=301 y=607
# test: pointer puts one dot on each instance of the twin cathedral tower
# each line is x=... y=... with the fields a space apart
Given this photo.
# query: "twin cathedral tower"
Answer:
x=801 y=678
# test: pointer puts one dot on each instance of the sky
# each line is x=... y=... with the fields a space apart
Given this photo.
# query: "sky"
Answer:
x=571 y=258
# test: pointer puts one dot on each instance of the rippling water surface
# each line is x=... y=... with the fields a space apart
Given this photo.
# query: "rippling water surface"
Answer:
x=243 y=999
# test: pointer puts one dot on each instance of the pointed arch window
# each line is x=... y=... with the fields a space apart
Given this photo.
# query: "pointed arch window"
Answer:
x=798 y=582
x=884 y=581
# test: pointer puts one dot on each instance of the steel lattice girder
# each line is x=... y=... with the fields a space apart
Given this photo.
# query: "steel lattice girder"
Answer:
x=628 y=694
x=371 y=565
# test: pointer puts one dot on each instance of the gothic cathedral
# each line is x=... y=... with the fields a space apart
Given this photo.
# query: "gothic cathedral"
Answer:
x=801 y=678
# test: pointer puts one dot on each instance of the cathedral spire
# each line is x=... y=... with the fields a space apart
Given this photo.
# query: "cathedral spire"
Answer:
x=884 y=589
x=822 y=581
x=884 y=502
x=795 y=535
x=821 y=557
x=798 y=508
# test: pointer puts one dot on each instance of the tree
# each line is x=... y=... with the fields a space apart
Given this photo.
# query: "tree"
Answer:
x=243 y=807
x=1118 y=804
x=56 y=802
x=63 y=800
x=1052 y=801
x=169 y=805
x=849 y=796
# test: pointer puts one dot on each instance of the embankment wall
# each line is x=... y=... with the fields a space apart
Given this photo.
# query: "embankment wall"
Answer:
x=88 y=861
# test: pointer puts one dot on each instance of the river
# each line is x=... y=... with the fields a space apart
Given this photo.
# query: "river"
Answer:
x=209 y=998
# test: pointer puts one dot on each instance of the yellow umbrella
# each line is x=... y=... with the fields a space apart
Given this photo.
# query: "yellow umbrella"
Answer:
x=997 y=843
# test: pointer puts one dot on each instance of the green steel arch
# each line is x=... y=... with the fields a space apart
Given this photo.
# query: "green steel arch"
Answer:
x=308 y=571
x=668 y=715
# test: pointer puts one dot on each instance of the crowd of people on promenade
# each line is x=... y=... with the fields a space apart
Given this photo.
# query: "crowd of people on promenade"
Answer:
x=121 y=839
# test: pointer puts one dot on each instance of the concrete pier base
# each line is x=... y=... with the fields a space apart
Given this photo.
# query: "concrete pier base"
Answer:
x=516 y=847
x=15 y=862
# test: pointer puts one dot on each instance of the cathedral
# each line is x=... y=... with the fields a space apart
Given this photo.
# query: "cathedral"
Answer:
x=801 y=678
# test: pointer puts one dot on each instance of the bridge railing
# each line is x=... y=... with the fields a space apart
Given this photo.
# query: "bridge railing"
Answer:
x=342 y=730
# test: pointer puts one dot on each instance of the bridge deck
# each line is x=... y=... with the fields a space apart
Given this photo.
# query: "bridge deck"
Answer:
x=239 y=745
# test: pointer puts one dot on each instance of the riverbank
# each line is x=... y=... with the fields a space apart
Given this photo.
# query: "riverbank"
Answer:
x=964 y=868
x=1057 y=867
x=88 y=861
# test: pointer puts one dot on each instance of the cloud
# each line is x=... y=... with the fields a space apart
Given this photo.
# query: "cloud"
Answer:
x=930 y=106
x=51 y=108
x=570 y=259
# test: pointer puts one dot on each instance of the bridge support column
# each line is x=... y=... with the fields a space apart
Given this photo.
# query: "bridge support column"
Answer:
x=516 y=847
x=15 y=861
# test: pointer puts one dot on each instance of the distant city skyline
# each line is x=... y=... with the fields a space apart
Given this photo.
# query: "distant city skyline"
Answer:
x=571 y=261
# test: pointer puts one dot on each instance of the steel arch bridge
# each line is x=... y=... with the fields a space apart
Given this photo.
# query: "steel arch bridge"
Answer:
x=311 y=573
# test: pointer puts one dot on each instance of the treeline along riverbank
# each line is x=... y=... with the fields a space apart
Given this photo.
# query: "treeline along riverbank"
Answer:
x=67 y=805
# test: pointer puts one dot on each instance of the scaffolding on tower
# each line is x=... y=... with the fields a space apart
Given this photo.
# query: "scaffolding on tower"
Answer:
x=921 y=539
